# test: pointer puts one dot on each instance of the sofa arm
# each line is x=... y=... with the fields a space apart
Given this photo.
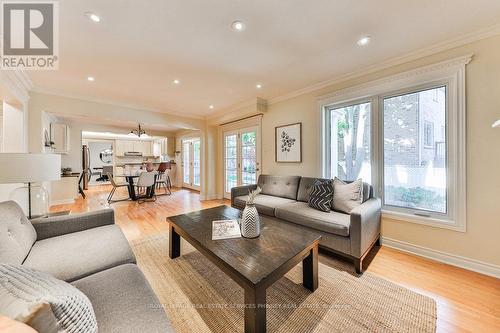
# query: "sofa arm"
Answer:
x=241 y=190
x=61 y=225
x=365 y=226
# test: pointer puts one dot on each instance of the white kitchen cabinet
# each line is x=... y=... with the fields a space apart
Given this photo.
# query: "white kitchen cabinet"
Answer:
x=124 y=146
x=59 y=134
x=157 y=148
x=144 y=147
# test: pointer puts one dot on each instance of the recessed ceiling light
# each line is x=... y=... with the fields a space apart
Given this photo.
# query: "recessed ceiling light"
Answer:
x=90 y=78
x=93 y=17
x=176 y=81
x=363 y=41
x=211 y=106
x=258 y=85
x=238 y=26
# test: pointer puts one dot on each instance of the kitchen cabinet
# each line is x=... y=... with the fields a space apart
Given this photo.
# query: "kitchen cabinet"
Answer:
x=59 y=134
x=157 y=148
x=124 y=146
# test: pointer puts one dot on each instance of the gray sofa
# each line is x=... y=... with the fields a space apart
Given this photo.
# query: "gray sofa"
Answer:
x=90 y=251
x=286 y=198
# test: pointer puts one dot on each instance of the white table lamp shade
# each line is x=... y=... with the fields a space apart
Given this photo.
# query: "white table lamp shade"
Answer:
x=29 y=168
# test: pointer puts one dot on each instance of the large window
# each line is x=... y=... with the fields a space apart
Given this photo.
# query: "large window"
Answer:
x=350 y=143
x=405 y=135
x=415 y=174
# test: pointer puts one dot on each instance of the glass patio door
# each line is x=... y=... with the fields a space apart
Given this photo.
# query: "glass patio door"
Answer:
x=241 y=158
x=191 y=163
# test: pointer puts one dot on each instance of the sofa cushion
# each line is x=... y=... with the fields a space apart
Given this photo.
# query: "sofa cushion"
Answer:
x=367 y=191
x=265 y=204
x=17 y=235
x=24 y=291
x=300 y=213
x=279 y=186
x=347 y=196
x=305 y=186
x=123 y=301
x=76 y=255
x=321 y=195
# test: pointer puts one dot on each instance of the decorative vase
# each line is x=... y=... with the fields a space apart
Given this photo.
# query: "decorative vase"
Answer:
x=33 y=199
x=250 y=222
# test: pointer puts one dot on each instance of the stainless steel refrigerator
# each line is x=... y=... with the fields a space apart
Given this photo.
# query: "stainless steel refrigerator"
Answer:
x=86 y=166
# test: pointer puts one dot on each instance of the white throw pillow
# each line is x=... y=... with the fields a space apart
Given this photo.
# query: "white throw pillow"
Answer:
x=44 y=302
x=346 y=196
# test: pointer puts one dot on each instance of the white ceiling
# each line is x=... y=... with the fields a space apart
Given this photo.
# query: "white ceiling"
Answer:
x=140 y=47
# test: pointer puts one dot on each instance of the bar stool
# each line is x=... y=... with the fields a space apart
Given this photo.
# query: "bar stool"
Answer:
x=164 y=178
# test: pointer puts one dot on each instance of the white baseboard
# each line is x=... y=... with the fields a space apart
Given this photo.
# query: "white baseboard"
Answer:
x=447 y=258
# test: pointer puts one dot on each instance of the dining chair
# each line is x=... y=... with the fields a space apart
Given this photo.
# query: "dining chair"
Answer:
x=80 y=184
x=147 y=180
x=163 y=178
x=115 y=186
x=106 y=170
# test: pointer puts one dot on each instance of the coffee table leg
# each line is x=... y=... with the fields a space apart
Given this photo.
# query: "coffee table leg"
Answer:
x=255 y=310
x=310 y=269
x=174 y=243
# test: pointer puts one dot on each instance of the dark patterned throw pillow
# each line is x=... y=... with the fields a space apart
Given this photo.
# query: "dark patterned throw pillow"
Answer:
x=321 y=195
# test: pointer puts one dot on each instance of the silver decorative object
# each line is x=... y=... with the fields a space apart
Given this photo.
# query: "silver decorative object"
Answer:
x=250 y=221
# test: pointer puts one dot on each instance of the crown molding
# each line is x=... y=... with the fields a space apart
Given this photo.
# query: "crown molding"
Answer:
x=258 y=101
x=41 y=90
x=447 y=67
x=433 y=49
x=17 y=83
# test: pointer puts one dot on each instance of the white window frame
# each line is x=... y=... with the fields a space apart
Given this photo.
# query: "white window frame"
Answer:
x=327 y=124
x=450 y=73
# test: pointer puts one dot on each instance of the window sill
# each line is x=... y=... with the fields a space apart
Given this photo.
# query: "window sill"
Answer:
x=427 y=221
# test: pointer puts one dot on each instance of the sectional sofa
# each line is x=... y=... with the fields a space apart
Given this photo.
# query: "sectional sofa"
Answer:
x=89 y=251
x=286 y=198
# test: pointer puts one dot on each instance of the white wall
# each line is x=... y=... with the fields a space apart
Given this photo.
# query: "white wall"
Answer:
x=13 y=128
x=13 y=139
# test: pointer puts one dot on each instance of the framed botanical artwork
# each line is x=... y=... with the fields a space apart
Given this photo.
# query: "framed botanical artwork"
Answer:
x=288 y=142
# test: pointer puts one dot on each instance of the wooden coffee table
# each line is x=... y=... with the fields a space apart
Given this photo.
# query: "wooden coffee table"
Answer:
x=254 y=264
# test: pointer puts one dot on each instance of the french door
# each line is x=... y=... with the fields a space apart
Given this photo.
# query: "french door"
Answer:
x=241 y=158
x=191 y=163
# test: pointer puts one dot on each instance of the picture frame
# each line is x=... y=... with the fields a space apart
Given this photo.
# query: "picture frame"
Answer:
x=288 y=143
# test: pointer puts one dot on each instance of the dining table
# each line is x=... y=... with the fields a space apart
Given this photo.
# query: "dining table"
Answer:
x=130 y=178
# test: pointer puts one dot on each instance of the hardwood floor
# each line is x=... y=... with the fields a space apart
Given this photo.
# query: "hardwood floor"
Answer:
x=466 y=301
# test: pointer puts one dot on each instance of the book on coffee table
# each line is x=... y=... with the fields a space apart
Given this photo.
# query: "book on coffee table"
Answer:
x=224 y=229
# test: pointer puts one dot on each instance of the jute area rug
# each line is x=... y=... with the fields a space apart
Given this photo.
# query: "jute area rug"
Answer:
x=199 y=297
